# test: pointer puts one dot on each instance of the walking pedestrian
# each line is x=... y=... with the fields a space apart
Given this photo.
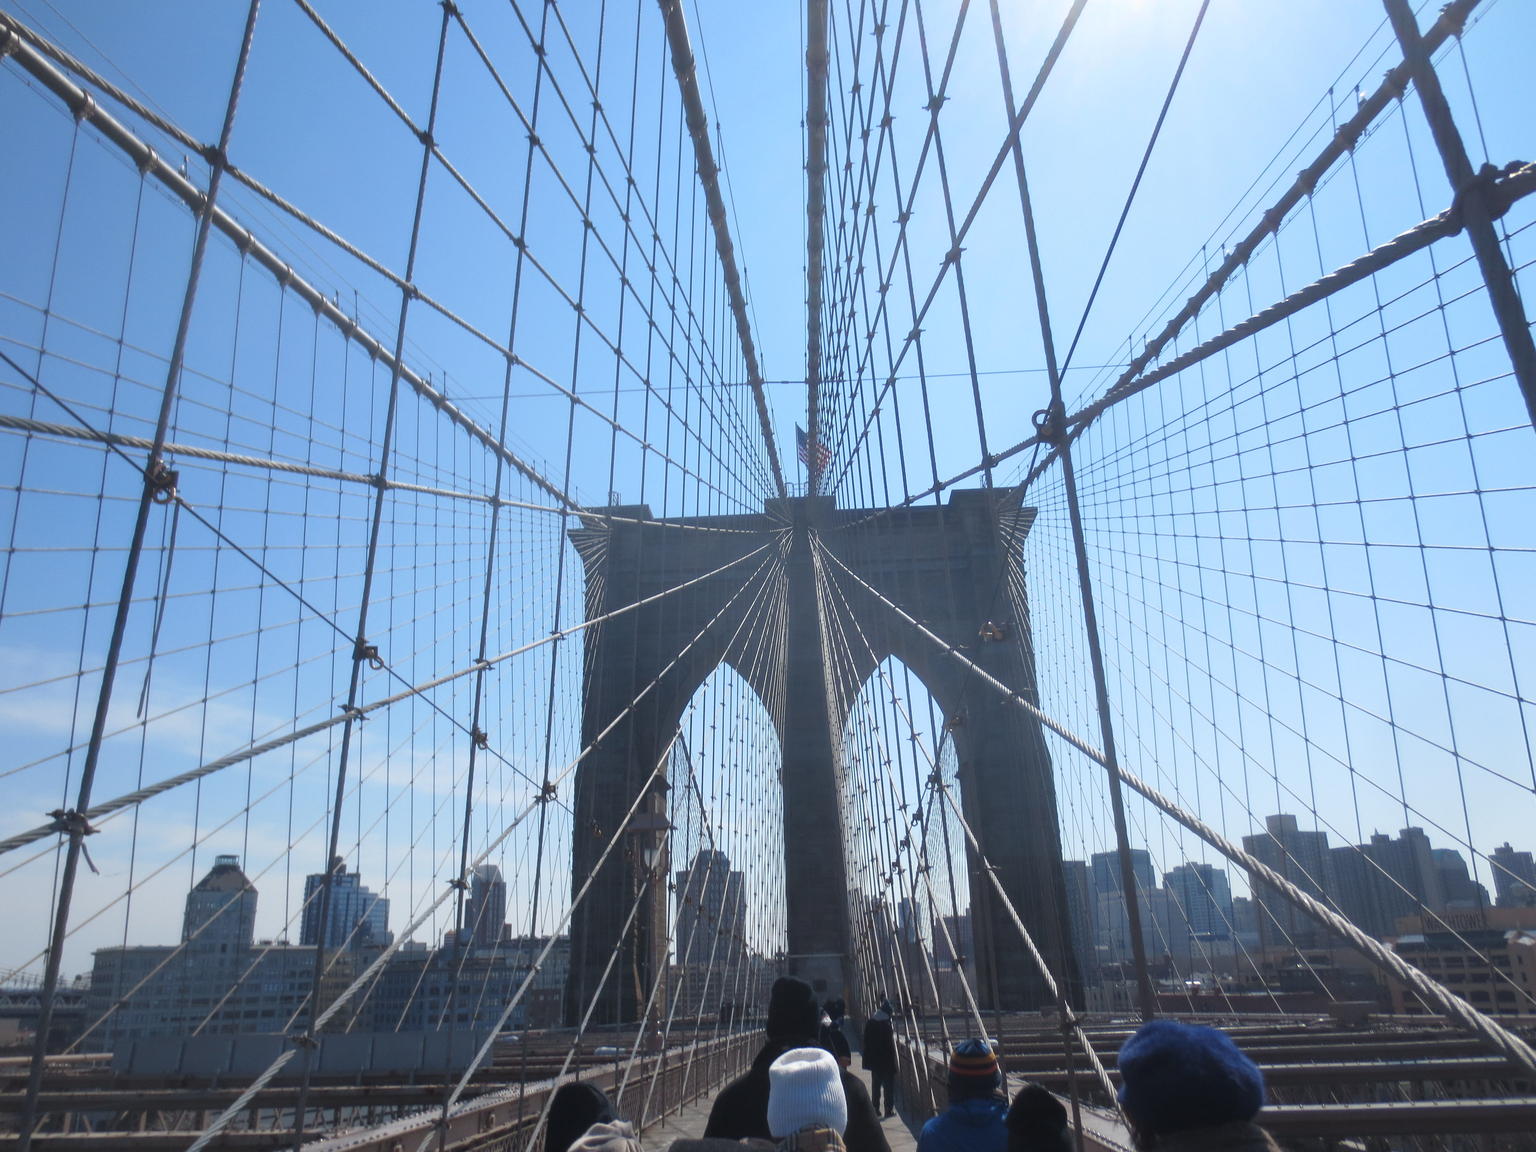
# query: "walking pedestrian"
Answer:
x=880 y=1057
x=976 y=1119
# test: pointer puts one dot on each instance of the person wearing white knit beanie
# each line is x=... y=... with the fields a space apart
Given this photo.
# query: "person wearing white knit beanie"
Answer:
x=807 y=1110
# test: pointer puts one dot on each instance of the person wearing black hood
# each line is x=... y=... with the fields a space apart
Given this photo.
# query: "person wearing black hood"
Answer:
x=1037 y=1122
x=740 y=1111
x=575 y=1109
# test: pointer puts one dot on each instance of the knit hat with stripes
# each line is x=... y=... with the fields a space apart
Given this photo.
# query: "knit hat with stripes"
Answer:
x=973 y=1069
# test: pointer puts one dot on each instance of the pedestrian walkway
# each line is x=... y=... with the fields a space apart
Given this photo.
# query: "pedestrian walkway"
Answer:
x=690 y=1122
x=897 y=1134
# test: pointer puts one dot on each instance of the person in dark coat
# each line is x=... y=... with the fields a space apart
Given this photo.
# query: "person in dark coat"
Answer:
x=1188 y=1088
x=740 y=1111
x=880 y=1057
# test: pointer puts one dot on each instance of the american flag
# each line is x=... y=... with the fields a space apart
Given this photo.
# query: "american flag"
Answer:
x=803 y=445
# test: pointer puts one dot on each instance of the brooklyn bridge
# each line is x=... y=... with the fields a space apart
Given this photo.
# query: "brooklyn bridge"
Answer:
x=525 y=523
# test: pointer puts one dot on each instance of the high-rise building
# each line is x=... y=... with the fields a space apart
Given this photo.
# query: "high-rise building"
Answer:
x=1245 y=922
x=1378 y=883
x=1081 y=908
x=220 y=913
x=953 y=943
x=434 y=989
x=1201 y=899
x=1302 y=858
x=1106 y=871
x=217 y=981
x=485 y=912
x=357 y=919
x=1514 y=878
x=711 y=911
x=1462 y=893
x=1110 y=915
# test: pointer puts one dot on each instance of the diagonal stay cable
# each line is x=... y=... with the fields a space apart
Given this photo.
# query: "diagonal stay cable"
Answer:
x=368 y=974
x=1508 y=188
x=1069 y=1017
x=1130 y=197
x=154 y=164
x=1502 y=1039
x=1015 y=127
x=138 y=796
x=315 y=471
x=32 y=49
x=641 y=794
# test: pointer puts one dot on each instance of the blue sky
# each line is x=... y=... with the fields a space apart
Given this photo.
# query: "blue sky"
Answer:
x=1236 y=618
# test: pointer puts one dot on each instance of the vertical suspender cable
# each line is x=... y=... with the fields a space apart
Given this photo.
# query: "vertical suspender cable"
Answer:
x=362 y=652
x=158 y=482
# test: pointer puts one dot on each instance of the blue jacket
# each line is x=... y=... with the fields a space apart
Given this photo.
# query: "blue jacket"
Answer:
x=968 y=1126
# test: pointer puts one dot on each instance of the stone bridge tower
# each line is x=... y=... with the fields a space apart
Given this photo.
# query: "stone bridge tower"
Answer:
x=948 y=566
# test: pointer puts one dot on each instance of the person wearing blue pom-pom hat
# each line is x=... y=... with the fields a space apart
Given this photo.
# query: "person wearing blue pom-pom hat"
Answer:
x=1188 y=1088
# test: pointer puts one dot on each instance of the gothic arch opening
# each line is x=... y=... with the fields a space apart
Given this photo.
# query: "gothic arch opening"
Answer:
x=727 y=897
x=907 y=863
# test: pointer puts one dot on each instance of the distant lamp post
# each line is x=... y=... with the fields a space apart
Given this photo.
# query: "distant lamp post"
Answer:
x=647 y=832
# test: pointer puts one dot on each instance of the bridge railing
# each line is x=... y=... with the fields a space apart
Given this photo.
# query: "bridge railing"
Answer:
x=656 y=1087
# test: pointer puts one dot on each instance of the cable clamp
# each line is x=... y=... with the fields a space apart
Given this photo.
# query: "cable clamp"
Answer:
x=1483 y=181
x=482 y=741
x=935 y=779
x=1051 y=425
x=546 y=794
x=303 y=1040
x=72 y=822
x=162 y=482
x=363 y=650
x=458 y=883
x=214 y=156
x=352 y=712
x=84 y=107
